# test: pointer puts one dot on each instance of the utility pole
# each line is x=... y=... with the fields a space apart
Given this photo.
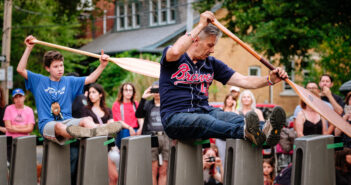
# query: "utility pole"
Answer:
x=6 y=49
x=189 y=15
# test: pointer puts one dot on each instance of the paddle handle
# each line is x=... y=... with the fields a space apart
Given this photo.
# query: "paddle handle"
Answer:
x=66 y=48
x=241 y=43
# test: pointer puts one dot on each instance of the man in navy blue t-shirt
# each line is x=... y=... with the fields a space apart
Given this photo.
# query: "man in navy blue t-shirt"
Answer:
x=187 y=72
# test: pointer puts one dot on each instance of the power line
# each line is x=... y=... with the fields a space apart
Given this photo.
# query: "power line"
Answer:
x=96 y=19
x=30 y=12
x=109 y=17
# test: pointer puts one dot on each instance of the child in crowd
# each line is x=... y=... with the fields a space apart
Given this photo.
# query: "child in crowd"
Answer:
x=268 y=171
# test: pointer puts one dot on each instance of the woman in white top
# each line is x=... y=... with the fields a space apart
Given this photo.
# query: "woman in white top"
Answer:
x=247 y=102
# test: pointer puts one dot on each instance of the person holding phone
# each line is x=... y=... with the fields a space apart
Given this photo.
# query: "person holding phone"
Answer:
x=150 y=111
x=347 y=116
x=212 y=165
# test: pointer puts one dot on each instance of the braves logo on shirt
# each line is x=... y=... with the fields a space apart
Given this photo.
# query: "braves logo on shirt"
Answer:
x=184 y=76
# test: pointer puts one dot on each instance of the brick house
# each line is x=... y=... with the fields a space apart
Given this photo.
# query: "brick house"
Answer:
x=150 y=25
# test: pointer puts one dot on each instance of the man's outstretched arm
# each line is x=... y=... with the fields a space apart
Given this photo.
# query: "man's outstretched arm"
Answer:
x=22 y=65
x=253 y=82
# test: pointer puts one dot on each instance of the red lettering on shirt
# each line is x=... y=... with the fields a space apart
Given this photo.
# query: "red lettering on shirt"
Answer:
x=182 y=70
x=183 y=74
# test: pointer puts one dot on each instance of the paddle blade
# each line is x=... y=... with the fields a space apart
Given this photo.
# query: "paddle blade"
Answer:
x=319 y=106
x=140 y=66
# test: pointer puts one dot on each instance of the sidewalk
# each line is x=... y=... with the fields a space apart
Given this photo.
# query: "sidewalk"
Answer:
x=39 y=154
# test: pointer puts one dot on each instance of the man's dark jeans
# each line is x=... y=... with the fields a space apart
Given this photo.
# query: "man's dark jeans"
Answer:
x=213 y=123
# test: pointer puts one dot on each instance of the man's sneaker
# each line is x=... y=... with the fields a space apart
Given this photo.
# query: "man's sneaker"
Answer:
x=107 y=129
x=252 y=129
x=274 y=125
x=79 y=132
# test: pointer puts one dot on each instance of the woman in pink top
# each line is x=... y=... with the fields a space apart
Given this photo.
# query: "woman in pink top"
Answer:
x=18 y=118
x=124 y=110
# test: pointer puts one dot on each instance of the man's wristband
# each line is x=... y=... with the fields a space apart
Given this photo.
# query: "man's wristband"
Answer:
x=269 y=80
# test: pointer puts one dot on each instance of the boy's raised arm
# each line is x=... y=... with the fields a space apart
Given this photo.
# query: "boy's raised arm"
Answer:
x=94 y=75
x=22 y=65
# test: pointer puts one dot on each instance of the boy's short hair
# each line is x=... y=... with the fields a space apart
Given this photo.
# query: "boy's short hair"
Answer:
x=50 y=56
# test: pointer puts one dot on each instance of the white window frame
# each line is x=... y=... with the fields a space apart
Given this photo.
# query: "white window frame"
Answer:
x=126 y=15
x=90 y=4
x=159 y=13
x=287 y=89
x=306 y=73
x=258 y=68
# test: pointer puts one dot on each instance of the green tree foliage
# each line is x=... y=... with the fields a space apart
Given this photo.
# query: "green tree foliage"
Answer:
x=336 y=55
x=292 y=29
x=45 y=20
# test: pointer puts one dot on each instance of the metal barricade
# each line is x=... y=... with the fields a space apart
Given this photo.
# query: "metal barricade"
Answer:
x=185 y=164
x=92 y=163
x=3 y=160
x=243 y=163
x=56 y=164
x=23 y=168
x=135 y=165
x=313 y=162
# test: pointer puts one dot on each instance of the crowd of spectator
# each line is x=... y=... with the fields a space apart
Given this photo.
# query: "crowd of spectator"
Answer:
x=87 y=115
x=143 y=117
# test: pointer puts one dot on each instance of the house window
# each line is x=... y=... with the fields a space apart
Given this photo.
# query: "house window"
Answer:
x=287 y=89
x=128 y=16
x=254 y=71
x=162 y=12
x=291 y=74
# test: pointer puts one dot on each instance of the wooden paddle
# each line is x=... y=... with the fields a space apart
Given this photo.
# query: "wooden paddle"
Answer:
x=139 y=66
x=311 y=100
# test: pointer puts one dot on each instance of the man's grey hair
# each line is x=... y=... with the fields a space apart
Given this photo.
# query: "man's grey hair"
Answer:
x=210 y=30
